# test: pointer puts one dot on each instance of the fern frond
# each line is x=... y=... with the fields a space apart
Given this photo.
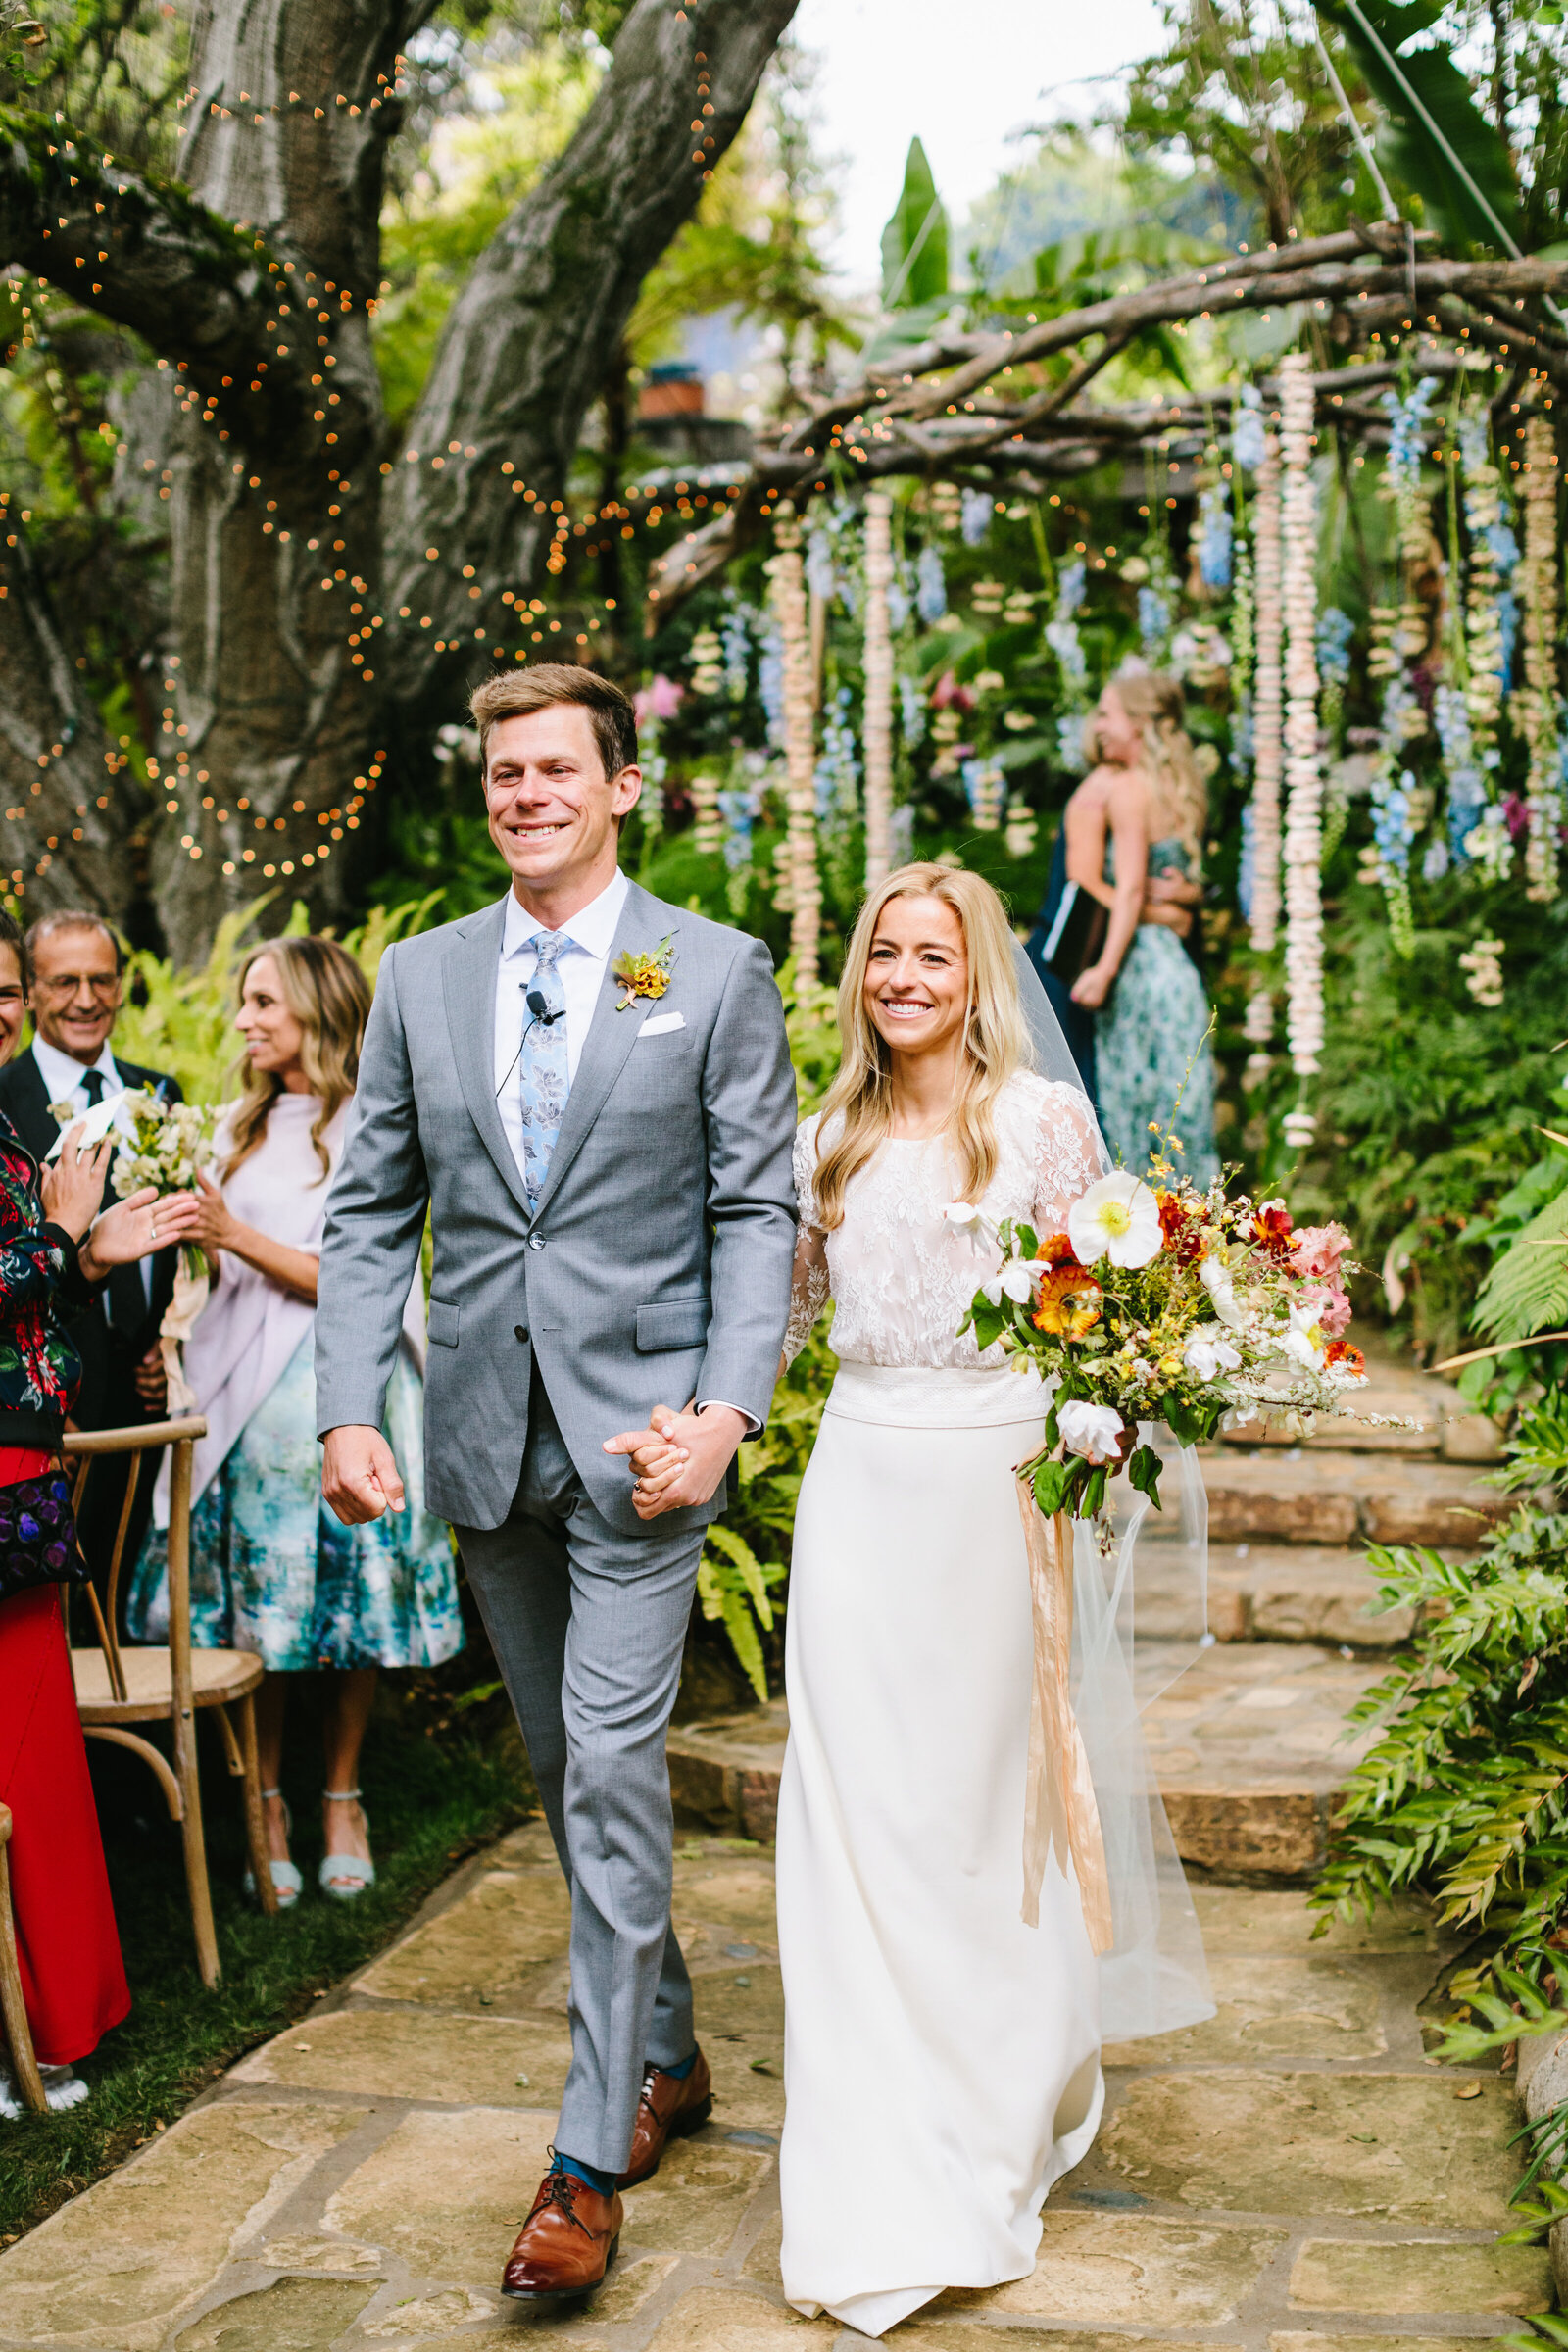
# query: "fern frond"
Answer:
x=1527 y=1289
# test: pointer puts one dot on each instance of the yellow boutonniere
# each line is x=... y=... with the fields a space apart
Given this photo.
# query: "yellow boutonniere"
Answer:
x=646 y=975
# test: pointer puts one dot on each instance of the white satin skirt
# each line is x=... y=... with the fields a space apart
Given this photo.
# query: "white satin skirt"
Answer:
x=942 y=2060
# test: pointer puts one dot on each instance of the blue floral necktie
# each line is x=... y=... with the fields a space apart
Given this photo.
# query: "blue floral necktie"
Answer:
x=542 y=1071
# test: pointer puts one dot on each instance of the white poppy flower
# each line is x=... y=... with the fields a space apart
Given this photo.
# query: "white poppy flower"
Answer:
x=1116 y=1218
x=962 y=1217
x=1092 y=1429
x=1017 y=1281
x=1208 y=1354
x=1304 y=1341
x=1216 y=1281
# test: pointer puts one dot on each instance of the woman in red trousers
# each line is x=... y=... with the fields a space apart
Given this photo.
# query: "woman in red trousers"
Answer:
x=73 y=1979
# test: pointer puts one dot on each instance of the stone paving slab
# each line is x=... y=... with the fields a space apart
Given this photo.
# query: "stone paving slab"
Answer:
x=354 y=2187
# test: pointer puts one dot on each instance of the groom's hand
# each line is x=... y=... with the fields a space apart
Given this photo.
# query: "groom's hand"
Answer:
x=359 y=1475
x=680 y=1458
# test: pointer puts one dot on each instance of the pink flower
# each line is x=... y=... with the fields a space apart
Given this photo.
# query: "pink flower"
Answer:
x=1317 y=1251
x=661 y=699
x=946 y=693
x=1328 y=1305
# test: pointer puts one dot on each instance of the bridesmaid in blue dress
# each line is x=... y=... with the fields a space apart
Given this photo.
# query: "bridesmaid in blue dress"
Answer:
x=1135 y=838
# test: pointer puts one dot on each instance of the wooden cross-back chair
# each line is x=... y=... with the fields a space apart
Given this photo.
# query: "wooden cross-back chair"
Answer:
x=170 y=1683
x=13 y=2010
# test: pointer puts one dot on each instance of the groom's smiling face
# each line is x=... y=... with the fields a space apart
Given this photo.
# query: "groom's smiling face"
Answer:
x=554 y=813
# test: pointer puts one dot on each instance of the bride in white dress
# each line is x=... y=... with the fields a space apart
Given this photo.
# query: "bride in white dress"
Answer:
x=941 y=2059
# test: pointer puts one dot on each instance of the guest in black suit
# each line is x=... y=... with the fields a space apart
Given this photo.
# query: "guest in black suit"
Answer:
x=78 y=982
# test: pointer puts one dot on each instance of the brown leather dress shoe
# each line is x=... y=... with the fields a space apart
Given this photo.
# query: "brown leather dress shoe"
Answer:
x=668 y=2110
x=566 y=2245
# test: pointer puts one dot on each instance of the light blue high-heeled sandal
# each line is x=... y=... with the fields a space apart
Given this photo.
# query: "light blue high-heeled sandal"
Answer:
x=286 y=1879
x=355 y=1869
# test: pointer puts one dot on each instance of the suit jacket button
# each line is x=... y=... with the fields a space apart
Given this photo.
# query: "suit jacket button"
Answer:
x=521 y=1330
x=536 y=1241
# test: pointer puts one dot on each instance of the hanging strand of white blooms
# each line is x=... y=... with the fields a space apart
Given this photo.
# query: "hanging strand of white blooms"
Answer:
x=1268 y=704
x=1536 y=705
x=788 y=574
x=1304 y=846
x=1303 y=767
x=878 y=661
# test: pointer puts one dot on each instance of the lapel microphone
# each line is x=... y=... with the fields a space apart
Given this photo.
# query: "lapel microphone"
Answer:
x=535 y=1001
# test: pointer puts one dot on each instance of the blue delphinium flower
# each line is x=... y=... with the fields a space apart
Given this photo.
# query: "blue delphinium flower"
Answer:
x=976 y=516
x=1214 y=536
x=931 y=586
x=1248 y=446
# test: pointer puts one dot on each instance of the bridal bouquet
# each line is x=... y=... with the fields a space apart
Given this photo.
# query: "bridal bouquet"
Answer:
x=1170 y=1305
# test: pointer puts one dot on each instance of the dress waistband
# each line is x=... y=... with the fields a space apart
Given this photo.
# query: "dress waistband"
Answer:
x=923 y=1396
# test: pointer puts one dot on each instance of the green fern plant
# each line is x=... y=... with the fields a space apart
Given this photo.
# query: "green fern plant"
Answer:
x=1465 y=1791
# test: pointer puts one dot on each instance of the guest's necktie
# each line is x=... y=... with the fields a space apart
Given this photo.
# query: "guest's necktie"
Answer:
x=542 y=1072
x=127 y=1298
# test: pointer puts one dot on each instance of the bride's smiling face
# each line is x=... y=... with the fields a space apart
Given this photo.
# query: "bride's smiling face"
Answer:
x=917 y=979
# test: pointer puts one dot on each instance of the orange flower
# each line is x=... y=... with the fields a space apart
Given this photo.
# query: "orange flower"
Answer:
x=1056 y=1251
x=1182 y=1230
x=1341 y=1351
x=1069 y=1302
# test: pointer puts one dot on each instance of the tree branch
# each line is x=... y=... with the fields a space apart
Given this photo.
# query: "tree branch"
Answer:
x=207 y=296
x=533 y=334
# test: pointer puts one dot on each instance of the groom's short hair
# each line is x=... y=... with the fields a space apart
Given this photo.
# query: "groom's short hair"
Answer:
x=517 y=691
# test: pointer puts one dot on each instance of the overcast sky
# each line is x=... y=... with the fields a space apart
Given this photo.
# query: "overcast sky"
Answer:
x=961 y=76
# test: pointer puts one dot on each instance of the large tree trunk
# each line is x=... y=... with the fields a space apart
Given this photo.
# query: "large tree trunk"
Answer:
x=277 y=550
x=65 y=814
x=289 y=666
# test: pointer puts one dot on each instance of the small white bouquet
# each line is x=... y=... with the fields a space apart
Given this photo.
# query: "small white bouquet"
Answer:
x=163 y=1144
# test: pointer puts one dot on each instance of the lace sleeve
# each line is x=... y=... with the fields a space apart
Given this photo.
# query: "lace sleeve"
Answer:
x=1068 y=1155
x=809 y=1287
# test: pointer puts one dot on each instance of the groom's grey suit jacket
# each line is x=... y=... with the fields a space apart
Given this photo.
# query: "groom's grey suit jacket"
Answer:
x=657 y=1267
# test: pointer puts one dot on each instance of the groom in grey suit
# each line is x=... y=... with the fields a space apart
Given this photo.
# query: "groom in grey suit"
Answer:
x=591 y=1092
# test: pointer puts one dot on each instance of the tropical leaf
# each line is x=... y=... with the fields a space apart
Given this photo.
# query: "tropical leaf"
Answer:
x=1526 y=1290
x=1431 y=119
x=914 y=242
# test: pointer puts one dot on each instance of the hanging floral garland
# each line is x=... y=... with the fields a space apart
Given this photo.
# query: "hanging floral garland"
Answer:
x=878 y=672
x=1303 y=897
x=1536 y=703
x=799 y=862
x=1268 y=754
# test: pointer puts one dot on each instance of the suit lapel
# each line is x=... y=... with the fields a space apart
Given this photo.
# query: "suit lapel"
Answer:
x=469 y=980
x=644 y=921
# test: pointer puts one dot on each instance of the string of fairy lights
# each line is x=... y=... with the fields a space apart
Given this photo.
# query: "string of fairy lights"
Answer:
x=325 y=303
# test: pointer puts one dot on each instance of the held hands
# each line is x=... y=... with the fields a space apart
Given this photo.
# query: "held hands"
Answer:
x=359 y=1475
x=679 y=1458
x=215 y=1228
x=134 y=1228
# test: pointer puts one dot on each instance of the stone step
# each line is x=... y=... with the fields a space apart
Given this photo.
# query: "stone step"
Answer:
x=1246 y=1744
x=1332 y=1499
x=1302 y=1592
x=1397 y=1412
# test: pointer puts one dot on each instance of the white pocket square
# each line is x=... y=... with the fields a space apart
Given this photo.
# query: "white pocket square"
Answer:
x=658 y=1022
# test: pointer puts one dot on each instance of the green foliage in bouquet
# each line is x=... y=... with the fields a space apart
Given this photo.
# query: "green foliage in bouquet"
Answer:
x=1465 y=1793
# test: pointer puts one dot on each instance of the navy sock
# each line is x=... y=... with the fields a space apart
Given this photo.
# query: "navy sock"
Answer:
x=678 y=2074
x=588 y=2173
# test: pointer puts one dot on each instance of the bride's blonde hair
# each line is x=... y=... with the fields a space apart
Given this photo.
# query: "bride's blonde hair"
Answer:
x=995 y=1040
x=1157 y=707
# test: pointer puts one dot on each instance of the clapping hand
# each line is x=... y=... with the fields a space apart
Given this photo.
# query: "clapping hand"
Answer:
x=73 y=1186
x=679 y=1458
x=215 y=1225
x=133 y=1228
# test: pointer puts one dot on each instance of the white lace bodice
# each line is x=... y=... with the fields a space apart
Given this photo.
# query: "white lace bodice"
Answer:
x=901 y=1276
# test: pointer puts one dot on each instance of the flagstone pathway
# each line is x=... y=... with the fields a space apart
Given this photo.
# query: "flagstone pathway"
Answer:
x=1293 y=2171
x=1292 y=2177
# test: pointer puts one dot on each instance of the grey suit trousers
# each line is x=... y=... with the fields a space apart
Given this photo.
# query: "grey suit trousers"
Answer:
x=588 y=1628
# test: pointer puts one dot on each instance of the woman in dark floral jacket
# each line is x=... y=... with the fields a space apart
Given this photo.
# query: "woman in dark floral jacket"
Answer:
x=55 y=1250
